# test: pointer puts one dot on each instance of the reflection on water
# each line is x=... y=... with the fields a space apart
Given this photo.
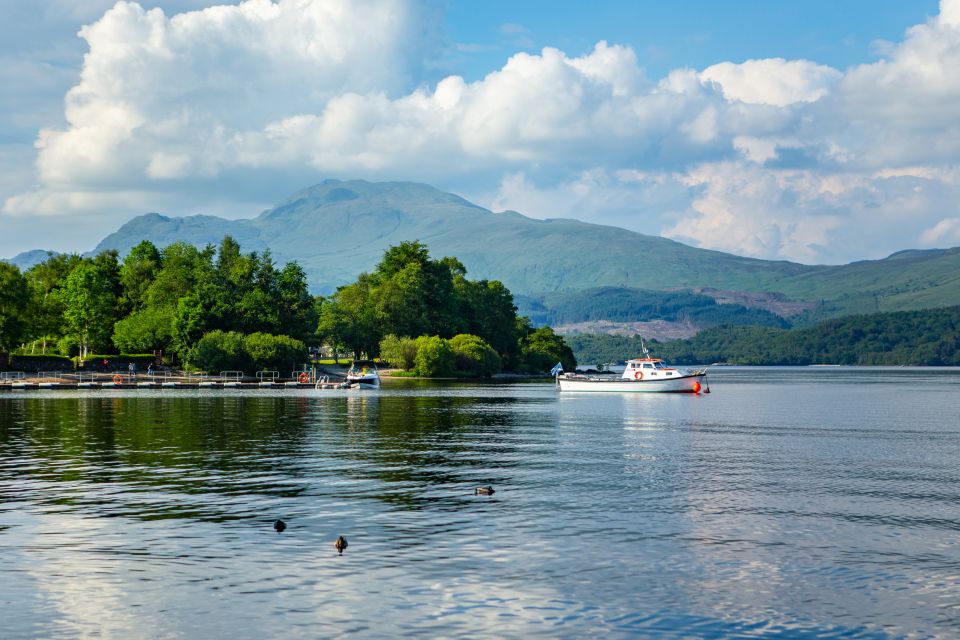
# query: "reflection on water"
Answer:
x=805 y=503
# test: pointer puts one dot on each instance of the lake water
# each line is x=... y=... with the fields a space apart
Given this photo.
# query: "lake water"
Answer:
x=816 y=502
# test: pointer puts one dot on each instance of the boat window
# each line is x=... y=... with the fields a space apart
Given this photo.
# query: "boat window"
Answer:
x=647 y=365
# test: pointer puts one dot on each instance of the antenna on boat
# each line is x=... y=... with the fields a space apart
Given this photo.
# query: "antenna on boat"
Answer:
x=643 y=347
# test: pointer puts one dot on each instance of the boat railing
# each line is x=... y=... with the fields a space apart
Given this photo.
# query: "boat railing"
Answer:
x=231 y=376
x=267 y=376
x=12 y=375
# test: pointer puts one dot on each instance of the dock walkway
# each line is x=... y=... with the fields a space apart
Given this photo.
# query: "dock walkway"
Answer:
x=56 y=381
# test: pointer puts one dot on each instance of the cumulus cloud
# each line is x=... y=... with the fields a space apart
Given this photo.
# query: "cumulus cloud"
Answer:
x=768 y=157
x=774 y=81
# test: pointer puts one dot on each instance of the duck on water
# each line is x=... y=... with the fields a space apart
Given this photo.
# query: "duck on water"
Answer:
x=646 y=374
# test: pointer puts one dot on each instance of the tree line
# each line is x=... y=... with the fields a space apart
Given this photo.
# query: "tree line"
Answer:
x=409 y=295
x=219 y=308
x=928 y=337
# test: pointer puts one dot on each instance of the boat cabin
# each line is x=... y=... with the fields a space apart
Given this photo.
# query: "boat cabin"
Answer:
x=646 y=368
x=362 y=367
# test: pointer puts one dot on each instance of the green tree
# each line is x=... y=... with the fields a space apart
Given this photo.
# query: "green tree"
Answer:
x=298 y=309
x=350 y=318
x=492 y=315
x=14 y=306
x=475 y=356
x=184 y=268
x=192 y=318
x=399 y=351
x=220 y=351
x=273 y=353
x=435 y=357
x=46 y=306
x=89 y=302
x=137 y=274
x=542 y=349
x=144 y=331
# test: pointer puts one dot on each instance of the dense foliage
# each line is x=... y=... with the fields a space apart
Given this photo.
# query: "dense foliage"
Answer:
x=622 y=304
x=410 y=294
x=158 y=300
x=431 y=356
x=230 y=350
x=930 y=337
x=220 y=309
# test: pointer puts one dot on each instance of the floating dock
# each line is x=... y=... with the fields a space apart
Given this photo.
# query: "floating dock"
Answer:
x=53 y=381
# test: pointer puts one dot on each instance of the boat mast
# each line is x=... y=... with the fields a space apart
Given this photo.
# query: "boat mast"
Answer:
x=643 y=347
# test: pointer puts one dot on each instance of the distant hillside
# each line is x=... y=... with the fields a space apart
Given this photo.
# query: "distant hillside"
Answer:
x=336 y=230
x=27 y=259
x=621 y=308
x=930 y=337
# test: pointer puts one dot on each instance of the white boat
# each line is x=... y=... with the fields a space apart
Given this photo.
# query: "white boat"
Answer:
x=643 y=375
x=363 y=374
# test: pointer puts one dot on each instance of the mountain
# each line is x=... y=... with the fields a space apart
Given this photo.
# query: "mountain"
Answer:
x=27 y=259
x=338 y=229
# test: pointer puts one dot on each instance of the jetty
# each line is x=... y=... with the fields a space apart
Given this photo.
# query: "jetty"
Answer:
x=62 y=380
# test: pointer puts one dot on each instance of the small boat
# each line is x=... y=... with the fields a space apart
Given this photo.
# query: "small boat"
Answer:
x=363 y=374
x=644 y=375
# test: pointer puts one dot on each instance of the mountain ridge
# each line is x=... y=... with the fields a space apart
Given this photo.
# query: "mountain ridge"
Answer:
x=337 y=229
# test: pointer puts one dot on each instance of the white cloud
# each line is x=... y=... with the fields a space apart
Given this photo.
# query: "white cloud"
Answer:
x=773 y=81
x=769 y=157
x=946 y=231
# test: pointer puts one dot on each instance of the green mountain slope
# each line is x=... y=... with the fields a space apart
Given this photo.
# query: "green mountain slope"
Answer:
x=338 y=229
x=928 y=337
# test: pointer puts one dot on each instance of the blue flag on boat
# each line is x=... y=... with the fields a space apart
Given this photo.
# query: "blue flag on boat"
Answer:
x=557 y=369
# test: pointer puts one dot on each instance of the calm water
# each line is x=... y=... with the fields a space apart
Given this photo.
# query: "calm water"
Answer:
x=802 y=503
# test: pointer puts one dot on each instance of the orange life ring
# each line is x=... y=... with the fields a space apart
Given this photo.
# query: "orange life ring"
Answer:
x=118 y=379
x=638 y=375
x=303 y=378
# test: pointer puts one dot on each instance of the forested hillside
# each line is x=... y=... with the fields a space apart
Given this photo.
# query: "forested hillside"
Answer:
x=930 y=337
x=621 y=304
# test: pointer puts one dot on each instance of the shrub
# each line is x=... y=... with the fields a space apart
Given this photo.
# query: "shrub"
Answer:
x=68 y=346
x=435 y=357
x=475 y=356
x=146 y=330
x=399 y=352
x=220 y=351
x=273 y=353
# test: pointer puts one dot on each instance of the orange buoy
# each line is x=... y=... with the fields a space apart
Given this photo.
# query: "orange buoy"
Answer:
x=696 y=387
x=638 y=375
x=118 y=379
x=303 y=378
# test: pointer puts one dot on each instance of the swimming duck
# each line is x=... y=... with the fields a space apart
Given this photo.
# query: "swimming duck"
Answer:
x=340 y=544
x=279 y=526
x=484 y=491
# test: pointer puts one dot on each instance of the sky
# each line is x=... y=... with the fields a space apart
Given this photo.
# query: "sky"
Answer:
x=818 y=132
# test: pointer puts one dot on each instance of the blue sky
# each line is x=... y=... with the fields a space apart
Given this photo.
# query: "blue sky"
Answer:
x=820 y=132
x=698 y=33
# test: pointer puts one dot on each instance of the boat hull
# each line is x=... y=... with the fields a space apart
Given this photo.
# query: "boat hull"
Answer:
x=364 y=382
x=696 y=383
